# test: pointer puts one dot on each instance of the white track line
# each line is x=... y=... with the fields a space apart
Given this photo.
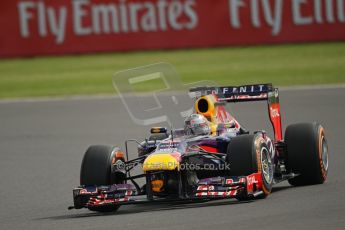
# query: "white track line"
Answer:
x=109 y=96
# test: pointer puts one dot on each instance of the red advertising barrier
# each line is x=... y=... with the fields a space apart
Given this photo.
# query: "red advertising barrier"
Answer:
x=45 y=27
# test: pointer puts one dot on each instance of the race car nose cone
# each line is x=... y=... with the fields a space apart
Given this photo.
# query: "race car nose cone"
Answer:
x=160 y=161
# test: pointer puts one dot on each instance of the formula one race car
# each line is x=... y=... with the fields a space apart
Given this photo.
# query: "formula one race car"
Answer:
x=212 y=157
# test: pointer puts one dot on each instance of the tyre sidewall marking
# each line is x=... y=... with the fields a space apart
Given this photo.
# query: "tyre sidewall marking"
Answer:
x=258 y=145
x=321 y=137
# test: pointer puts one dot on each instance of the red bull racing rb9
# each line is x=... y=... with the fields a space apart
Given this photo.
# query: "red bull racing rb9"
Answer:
x=211 y=157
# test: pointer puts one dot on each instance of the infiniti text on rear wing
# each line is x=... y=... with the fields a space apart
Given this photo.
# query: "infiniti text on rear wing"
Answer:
x=255 y=92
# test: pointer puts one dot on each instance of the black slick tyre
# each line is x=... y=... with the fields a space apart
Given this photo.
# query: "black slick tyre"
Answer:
x=248 y=154
x=96 y=170
x=306 y=153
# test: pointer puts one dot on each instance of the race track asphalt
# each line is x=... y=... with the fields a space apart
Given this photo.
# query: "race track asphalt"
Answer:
x=42 y=144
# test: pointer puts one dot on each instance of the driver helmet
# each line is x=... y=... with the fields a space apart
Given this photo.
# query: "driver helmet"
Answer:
x=196 y=124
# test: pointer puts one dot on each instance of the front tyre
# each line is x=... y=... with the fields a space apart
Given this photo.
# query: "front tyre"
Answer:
x=112 y=208
x=248 y=154
x=96 y=170
x=96 y=165
x=306 y=153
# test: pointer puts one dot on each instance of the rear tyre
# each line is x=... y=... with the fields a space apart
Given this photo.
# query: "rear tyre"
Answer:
x=306 y=153
x=248 y=154
x=96 y=170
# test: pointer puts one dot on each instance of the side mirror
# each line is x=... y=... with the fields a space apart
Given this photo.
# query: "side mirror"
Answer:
x=155 y=130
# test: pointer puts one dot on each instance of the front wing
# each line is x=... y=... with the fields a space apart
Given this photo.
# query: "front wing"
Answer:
x=206 y=189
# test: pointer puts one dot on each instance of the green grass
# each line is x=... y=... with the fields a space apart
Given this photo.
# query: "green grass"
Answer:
x=283 y=65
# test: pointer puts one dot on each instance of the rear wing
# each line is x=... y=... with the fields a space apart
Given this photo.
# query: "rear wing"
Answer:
x=256 y=92
x=244 y=93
